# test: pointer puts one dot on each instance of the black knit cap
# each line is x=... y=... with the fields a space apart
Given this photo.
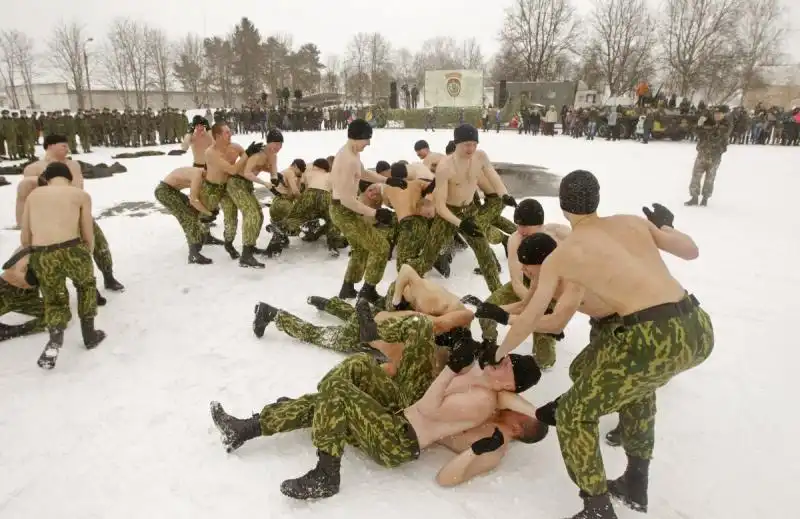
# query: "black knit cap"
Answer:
x=399 y=170
x=56 y=169
x=274 y=135
x=450 y=148
x=465 y=133
x=53 y=138
x=199 y=119
x=526 y=372
x=382 y=166
x=421 y=145
x=579 y=193
x=529 y=212
x=534 y=249
x=359 y=130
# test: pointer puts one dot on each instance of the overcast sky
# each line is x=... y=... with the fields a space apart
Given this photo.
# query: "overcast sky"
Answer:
x=327 y=23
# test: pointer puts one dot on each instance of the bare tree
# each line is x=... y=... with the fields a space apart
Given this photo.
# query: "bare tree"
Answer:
x=117 y=77
x=379 y=57
x=622 y=42
x=65 y=53
x=761 y=33
x=9 y=50
x=160 y=57
x=358 y=63
x=331 y=78
x=697 y=35
x=27 y=66
x=440 y=53
x=471 y=55
x=540 y=33
x=129 y=38
x=188 y=66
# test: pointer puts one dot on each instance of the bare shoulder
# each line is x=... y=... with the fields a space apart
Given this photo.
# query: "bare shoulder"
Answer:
x=445 y=168
x=74 y=167
x=237 y=147
x=33 y=170
x=482 y=156
x=513 y=242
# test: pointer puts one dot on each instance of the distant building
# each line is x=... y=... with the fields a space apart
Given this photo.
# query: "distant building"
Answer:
x=556 y=93
x=782 y=88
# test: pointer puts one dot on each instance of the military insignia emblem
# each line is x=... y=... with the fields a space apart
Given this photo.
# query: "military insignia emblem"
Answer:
x=453 y=83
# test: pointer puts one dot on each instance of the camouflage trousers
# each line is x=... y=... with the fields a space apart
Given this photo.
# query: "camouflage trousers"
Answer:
x=211 y=195
x=704 y=165
x=412 y=231
x=240 y=197
x=53 y=266
x=312 y=204
x=23 y=301
x=492 y=222
x=441 y=233
x=178 y=205
x=359 y=404
x=102 y=253
x=279 y=209
x=369 y=248
x=501 y=226
x=544 y=346
x=621 y=370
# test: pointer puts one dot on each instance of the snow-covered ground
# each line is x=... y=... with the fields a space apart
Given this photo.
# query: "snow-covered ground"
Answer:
x=124 y=431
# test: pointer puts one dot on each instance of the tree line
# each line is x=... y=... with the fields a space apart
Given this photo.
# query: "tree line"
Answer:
x=719 y=47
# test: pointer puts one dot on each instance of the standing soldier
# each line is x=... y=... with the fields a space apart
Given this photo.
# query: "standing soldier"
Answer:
x=3 y=131
x=71 y=131
x=57 y=226
x=24 y=144
x=11 y=135
x=82 y=128
x=712 y=141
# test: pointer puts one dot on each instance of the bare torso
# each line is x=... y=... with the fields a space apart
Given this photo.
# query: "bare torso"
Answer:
x=419 y=170
x=29 y=181
x=431 y=299
x=462 y=175
x=617 y=259
x=54 y=214
x=182 y=178
x=345 y=174
x=229 y=153
x=199 y=143
x=405 y=201
x=317 y=178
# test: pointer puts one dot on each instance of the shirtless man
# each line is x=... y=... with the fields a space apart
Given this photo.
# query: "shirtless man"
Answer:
x=429 y=158
x=369 y=248
x=186 y=210
x=664 y=332
x=221 y=163
x=286 y=191
x=529 y=218
x=198 y=140
x=57 y=226
x=389 y=418
x=19 y=293
x=457 y=180
x=56 y=150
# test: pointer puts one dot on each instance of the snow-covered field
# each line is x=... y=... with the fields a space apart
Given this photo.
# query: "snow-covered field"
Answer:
x=124 y=431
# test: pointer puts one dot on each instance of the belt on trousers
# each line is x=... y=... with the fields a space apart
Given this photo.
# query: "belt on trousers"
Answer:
x=604 y=320
x=56 y=246
x=663 y=311
x=198 y=165
x=336 y=202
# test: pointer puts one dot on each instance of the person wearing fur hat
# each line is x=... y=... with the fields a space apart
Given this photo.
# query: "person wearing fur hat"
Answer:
x=198 y=139
x=58 y=229
x=356 y=220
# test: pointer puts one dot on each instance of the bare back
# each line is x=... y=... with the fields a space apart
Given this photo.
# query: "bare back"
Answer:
x=317 y=178
x=432 y=160
x=617 y=259
x=431 y=299
x=37 y=168
x=405 y=201
x=419 y=171
x=199 y=143
x=54 y=214
x=182 y=178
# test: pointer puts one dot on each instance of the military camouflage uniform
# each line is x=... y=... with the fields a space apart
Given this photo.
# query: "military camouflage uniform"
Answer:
x=369 y=248
x=241 y=197
x=178 y=205
x=313 y=204
x=712 y=142
x=23 y=301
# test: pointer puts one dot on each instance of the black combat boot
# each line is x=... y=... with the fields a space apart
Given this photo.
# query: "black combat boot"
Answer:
x=101 y=301
x=234 y=431
x=196 y=258
x=348 y=291
x=91 y=337
x=369 y=293
x=264 y=314
x=442 y=264
x=274 y=247
x=318 y=302
x=692 y=201
x=596 y=507
x=320 y=482
x=111 y=283
x=232 y=252
x=47 y=360
x=704 y=201
x=333 y=252
x=211 y=240
x=247 y=260
x=614 y=436
x=367 y=328
x=18 y=330
x=631 y=487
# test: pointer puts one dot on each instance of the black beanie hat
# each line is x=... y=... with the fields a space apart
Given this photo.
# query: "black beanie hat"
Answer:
x=57 y=169
x=199 y=119
x=399 y=170
x=529 y=212
x=465 y=133
x=322 y=164
x=579 y=193
x=534 y=249
x=51 y=139
x=274 y=135
x=382 y=166
x=301 y=165
x=359 y=130
x=526 y=372
x=421 y=145
x=450 y=148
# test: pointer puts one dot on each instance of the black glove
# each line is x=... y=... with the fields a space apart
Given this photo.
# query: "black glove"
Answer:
x=463 y=354
x=471 y=300
x=488 y=354
x=547 y=413
x=396 y=182
x=402 y=305
x=255 y=147
x=367 y=328
x=30 y=278
x=509 y=201
x=492 y=312
x=278 y=180
x=429 y=188
x=383 y=216
x=470 y=228
x=489 y=444
x=660 y=215
x=274 y=191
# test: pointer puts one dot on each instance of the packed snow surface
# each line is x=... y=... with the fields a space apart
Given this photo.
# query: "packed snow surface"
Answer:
x=124 y=431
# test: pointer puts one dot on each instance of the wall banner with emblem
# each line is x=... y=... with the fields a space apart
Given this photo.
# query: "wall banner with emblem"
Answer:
x=458 y=88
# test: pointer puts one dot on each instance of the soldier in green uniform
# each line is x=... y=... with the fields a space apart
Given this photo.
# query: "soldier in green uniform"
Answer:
x=24 y=141
x=11 y=134
x=713 y=136
x=70 y=130
x=82 y=129
x=19 y=292
x=4 y=118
